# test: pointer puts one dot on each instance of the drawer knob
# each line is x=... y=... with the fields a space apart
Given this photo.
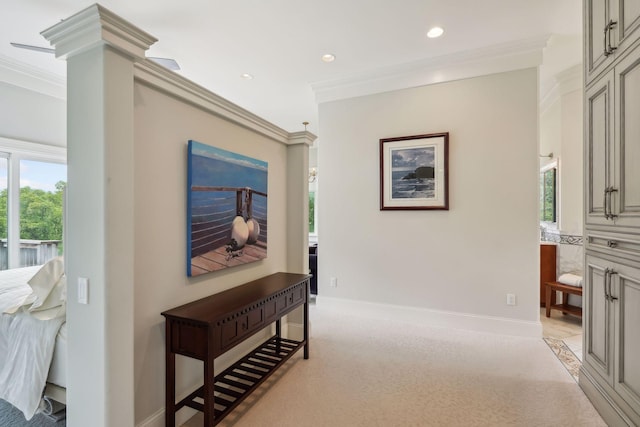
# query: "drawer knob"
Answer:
x=612 y=243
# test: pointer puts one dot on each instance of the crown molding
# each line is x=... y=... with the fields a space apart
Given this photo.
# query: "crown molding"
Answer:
x=95 y=26
x=31 y=78
x=566 y=81
x=303 y=137
x=33 y=150
x=472 y=63
x=154 y=75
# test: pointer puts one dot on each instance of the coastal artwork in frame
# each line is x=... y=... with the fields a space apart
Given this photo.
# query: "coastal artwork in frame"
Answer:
x=226 y=209
x=414 y=172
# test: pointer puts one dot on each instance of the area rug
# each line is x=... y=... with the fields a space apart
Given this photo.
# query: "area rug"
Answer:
x=12 y=417
x=565 y=355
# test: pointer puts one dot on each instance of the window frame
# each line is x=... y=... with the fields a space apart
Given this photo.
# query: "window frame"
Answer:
x=313 y=188
x=555 y=167
x=14 y=151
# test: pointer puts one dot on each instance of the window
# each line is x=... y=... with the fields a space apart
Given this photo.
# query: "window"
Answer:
x=548 y=194
x=32 y=182
x=4 y=254
x=312 y=210
x=313 y=204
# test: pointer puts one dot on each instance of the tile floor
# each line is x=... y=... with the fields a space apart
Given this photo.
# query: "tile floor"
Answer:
x=565 y=327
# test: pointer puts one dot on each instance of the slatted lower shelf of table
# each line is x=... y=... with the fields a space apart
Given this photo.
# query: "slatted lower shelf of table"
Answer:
x=234 y=384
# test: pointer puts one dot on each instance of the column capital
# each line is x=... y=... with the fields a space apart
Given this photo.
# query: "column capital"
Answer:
x=303 y=137
x=96 y=26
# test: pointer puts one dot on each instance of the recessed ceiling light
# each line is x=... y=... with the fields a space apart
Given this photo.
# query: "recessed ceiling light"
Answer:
x=246 y=76
x=435 y=32
x=328 y=57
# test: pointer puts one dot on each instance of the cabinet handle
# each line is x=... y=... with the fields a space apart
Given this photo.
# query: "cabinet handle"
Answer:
x=611 y=214
x=608 y=49
x=611 y=297
x=608 y=210
x=612 y=243
x=606 y=202
x=606 y=283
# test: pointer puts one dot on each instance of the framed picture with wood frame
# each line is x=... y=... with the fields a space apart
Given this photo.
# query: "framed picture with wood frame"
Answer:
x=414 y=172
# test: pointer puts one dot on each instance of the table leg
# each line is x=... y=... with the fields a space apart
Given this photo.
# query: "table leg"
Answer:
x=306 y=320
x=170 y=379
x=209 y=383
x=306 y=329
x=547 y=303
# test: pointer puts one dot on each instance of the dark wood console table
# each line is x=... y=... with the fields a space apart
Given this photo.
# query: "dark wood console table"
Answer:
x=206 y=328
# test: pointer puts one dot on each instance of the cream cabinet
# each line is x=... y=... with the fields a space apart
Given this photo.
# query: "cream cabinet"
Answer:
x=599 y=149
x=611 y=27
x=612 y=144
x=610 y=374
x=612 y=343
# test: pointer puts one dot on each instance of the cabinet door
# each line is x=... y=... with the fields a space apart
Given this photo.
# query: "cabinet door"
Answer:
x=597 y=16
x=627 y=30
x=599 y=148
x=626 y=199
x=625 y=15
x=597 y=317
x=626 y=289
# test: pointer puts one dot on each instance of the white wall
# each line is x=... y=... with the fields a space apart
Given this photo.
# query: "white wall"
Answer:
x=561 y=133
x=30 y=116
x=464 y=260
x=571 y=194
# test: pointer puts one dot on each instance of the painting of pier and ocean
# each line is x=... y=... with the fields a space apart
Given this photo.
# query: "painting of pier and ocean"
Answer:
x=226 y=209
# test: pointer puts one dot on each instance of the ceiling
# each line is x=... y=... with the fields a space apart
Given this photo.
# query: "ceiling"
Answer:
x=280 y=42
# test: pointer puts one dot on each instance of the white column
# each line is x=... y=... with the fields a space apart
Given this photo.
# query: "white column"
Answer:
x=298 y=216
x=100 y=49
x=298 y=201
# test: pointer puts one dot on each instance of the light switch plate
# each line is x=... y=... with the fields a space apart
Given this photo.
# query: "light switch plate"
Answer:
x=83 y=290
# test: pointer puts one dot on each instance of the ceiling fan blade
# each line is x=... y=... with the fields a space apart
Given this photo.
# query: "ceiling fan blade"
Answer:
x=166 y=62
x=36 y=48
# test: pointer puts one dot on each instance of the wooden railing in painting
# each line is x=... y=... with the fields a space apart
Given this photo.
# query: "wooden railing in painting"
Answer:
x=210 y=222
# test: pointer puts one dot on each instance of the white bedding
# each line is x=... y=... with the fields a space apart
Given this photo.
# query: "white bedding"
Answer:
x=13 y=286
x=58 y=369
x=27 y=344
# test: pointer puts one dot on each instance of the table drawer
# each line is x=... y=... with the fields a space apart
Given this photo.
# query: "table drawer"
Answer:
x=235 y=329
x=189 y=339
x=298 y=294
x=274 y=306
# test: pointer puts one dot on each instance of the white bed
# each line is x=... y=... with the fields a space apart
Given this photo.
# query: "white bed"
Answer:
x=33 y=336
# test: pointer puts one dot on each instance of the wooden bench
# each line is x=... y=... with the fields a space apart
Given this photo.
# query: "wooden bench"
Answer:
x=550 y=293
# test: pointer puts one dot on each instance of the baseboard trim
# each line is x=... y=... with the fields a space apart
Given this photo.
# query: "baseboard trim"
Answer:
x=295 y=331
x=155 y=420
x=438 y=318
x=610 y=412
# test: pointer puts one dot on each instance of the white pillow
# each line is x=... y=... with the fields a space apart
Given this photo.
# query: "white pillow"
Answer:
x=56 y=297
x=45 y=280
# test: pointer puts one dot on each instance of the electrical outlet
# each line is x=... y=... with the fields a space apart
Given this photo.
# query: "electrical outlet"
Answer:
x=511 y=299
x=333 y=282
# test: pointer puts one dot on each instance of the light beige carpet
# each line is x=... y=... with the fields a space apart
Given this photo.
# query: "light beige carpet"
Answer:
x=367 y=371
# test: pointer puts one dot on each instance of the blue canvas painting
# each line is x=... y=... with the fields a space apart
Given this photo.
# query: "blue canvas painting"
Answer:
x=226 y=209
